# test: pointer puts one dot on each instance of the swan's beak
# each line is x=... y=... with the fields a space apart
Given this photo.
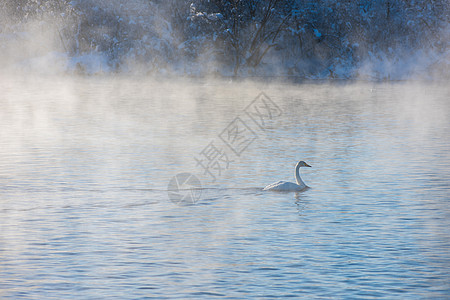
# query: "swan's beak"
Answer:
x=307 y=165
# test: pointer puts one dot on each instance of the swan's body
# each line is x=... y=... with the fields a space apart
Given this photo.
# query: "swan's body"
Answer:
x=284 y=186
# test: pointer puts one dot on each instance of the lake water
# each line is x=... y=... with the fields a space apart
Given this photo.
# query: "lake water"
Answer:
x=85 y=164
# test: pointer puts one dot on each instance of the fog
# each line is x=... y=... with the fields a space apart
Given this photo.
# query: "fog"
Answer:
x=370 y=40
x=136 y=138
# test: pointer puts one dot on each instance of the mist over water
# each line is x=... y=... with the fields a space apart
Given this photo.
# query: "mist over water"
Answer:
x=84 y=211
x=136 y=140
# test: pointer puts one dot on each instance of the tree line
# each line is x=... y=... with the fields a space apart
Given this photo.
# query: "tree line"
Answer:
x=298 y=37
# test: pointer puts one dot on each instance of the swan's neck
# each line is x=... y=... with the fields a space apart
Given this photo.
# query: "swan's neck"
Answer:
x=298 y=179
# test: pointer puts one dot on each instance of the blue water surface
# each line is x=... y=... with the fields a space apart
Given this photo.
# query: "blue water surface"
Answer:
x=85 y=213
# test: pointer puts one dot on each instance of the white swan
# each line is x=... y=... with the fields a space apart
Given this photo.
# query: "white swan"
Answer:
x=284 y=186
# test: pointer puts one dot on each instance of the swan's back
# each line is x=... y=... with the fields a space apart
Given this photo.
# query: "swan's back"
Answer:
x=284 y=186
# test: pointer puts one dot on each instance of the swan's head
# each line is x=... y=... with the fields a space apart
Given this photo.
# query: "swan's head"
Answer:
x=302 y=164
